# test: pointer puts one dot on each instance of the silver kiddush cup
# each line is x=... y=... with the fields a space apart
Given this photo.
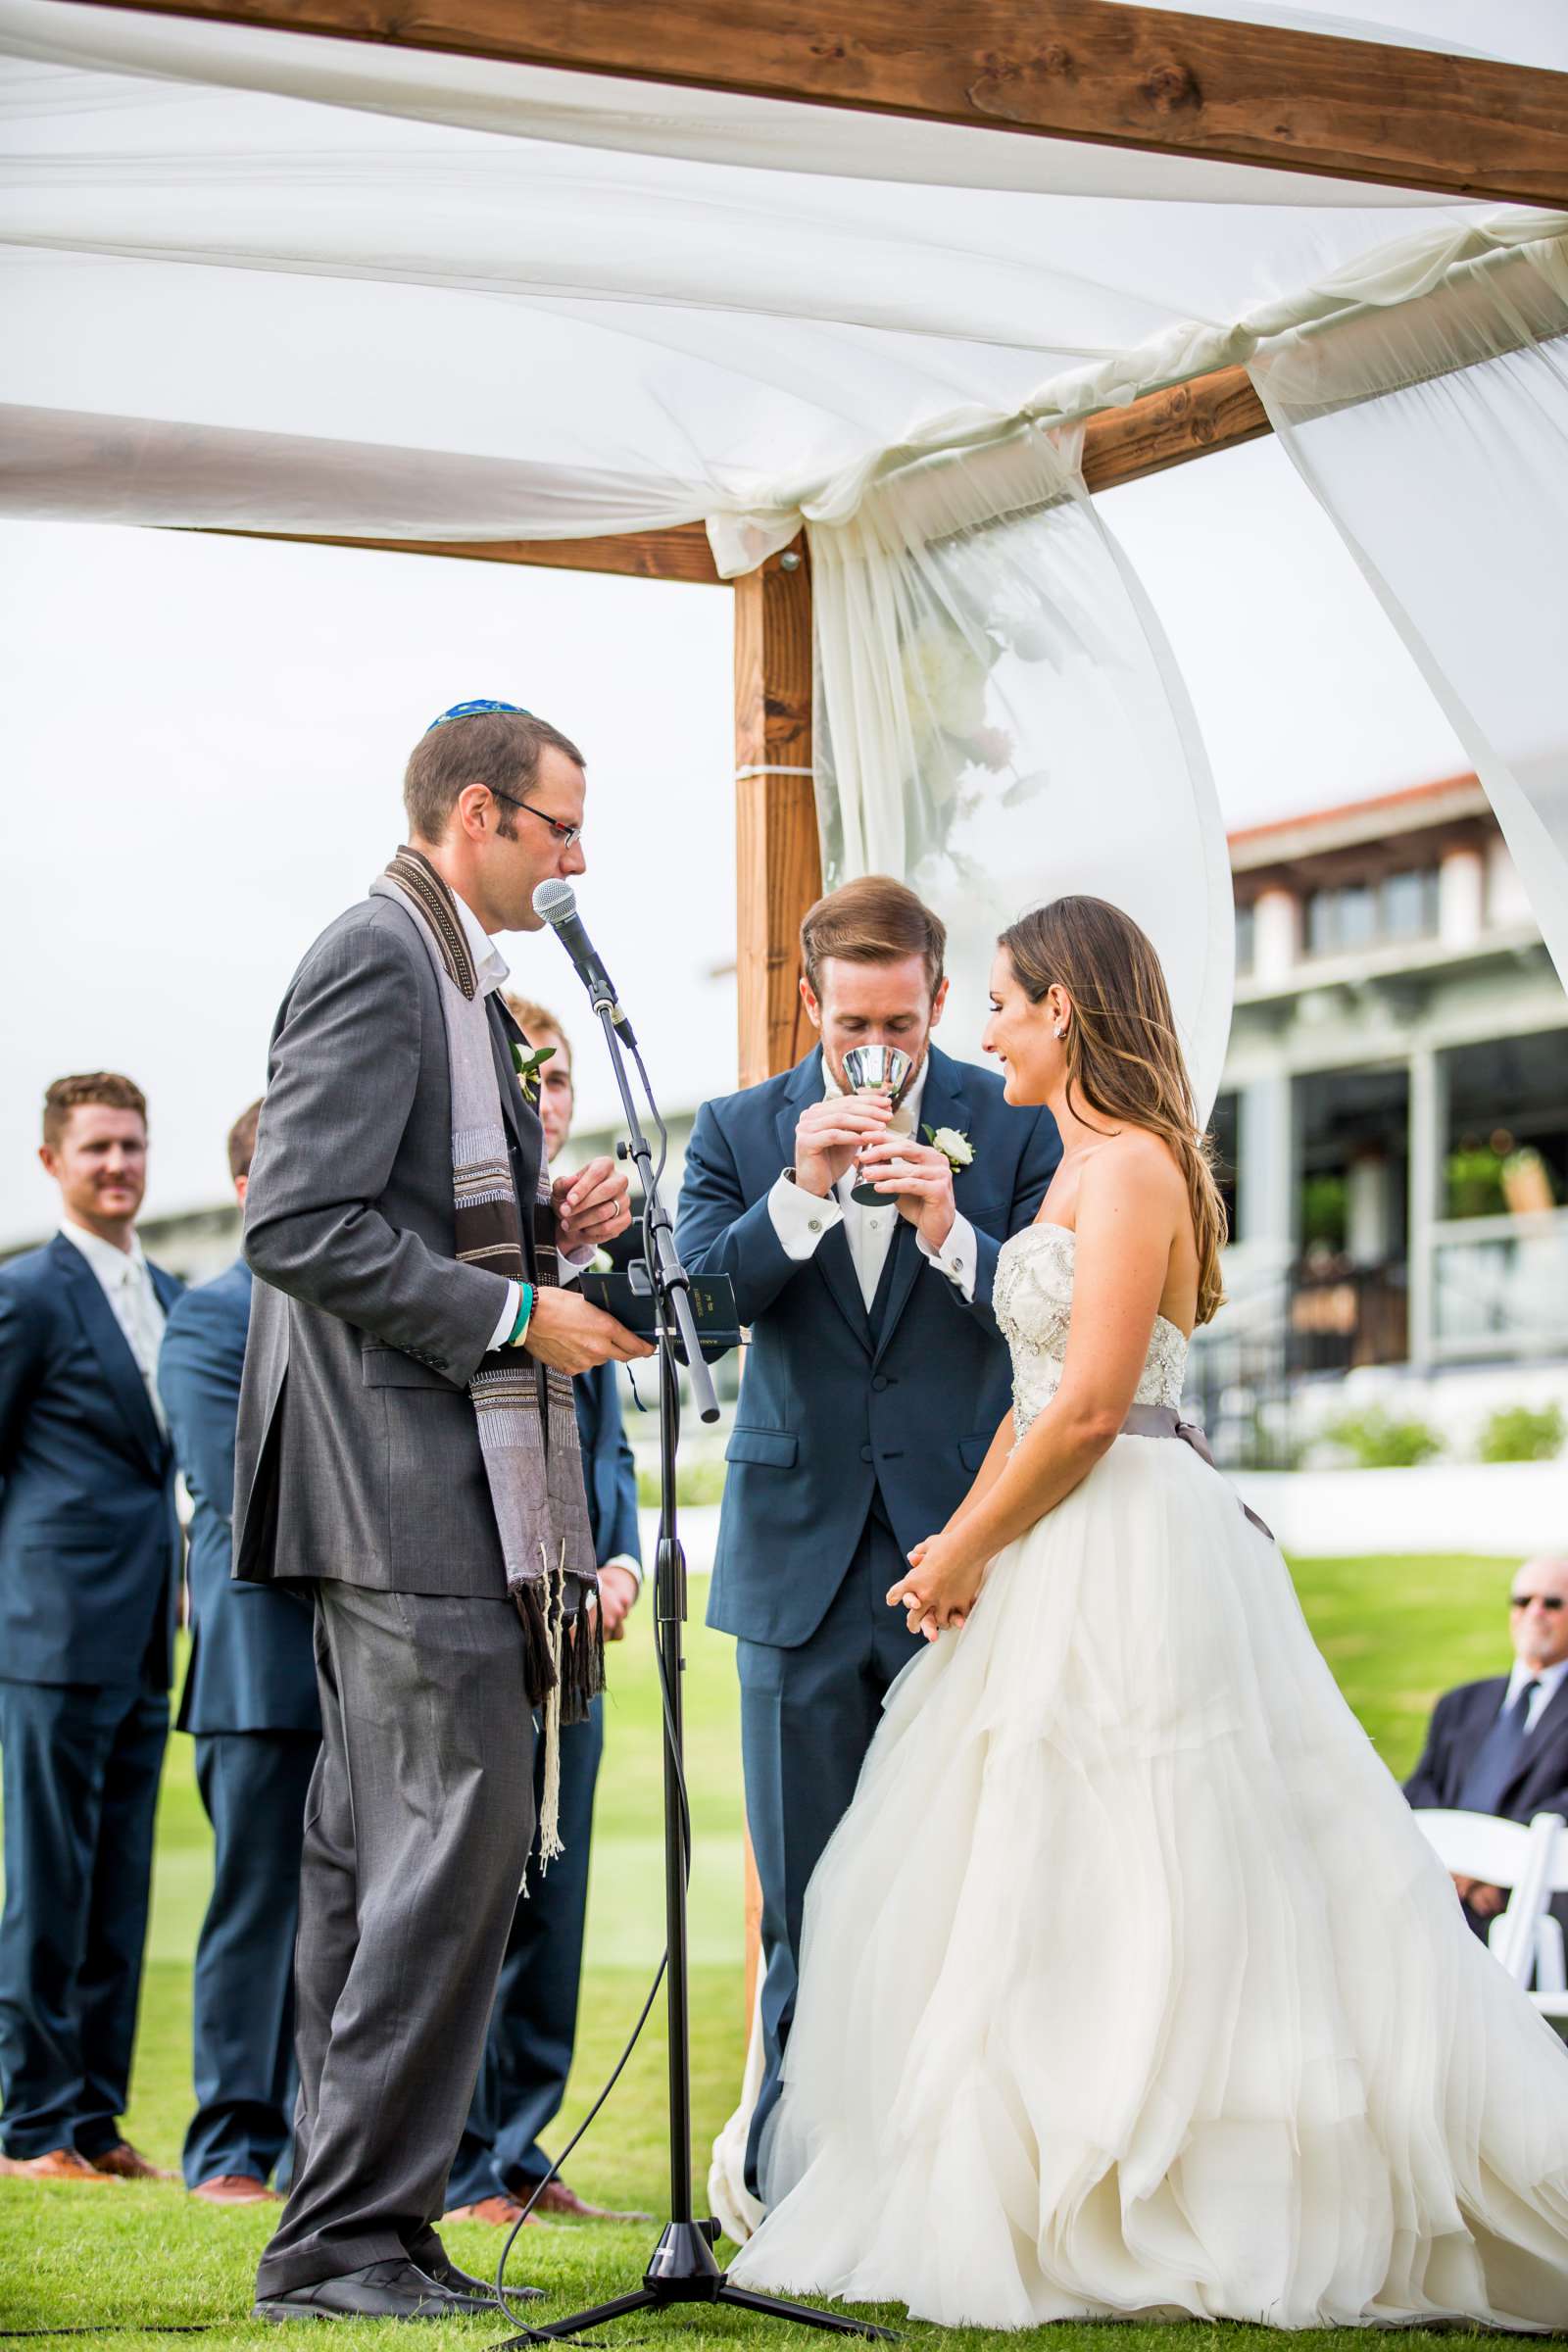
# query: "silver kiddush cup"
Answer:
x=875 y=1070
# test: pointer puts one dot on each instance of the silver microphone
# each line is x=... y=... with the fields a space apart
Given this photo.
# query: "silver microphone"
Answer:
x=556 y=904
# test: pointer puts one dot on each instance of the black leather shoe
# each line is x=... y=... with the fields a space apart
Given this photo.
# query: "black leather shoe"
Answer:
x=462 y=2282
x=382 y=2291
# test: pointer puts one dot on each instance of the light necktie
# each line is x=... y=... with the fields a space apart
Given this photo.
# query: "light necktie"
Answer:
x=144 y=1330
x=1499 y=1758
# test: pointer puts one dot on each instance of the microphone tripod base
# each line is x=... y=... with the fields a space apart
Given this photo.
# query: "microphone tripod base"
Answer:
x=684 y=2269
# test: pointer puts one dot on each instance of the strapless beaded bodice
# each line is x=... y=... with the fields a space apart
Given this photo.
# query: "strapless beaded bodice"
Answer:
x=1033 y=1301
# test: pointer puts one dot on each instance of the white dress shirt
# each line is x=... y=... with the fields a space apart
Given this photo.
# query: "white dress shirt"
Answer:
x=488 y=961
x=802 y=1221
x=1549 y=1680
x=127 y=1286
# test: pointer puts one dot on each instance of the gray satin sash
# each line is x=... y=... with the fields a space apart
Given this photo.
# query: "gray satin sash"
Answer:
x=1164 y=1421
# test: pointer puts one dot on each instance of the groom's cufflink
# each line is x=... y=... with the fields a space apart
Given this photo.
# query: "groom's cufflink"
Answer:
x=812 y=1224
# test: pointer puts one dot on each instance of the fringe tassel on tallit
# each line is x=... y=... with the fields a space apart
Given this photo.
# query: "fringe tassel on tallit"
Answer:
x=539 y=1675
x=550 y=1845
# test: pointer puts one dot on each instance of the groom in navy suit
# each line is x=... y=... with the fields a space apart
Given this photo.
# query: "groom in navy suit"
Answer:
x=89 y=1557
x=251 y=1706
x=875 y=1379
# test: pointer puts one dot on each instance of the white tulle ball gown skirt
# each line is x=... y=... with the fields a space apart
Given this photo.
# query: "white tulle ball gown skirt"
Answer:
x=1130 y=1987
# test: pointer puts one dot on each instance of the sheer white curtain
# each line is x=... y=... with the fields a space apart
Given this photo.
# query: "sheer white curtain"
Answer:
x=999 y=722
x=1436 y=436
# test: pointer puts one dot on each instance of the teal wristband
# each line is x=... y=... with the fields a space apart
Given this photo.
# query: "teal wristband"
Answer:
x=525 y=1315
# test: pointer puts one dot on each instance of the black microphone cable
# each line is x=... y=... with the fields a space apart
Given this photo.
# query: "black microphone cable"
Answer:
x=528 y=2334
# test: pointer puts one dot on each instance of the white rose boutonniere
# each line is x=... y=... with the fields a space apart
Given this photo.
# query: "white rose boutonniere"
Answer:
x=528 y=1067
x=955 y=1148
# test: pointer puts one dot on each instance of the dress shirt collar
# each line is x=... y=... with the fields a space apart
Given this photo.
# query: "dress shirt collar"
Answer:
x=488 y=961
x=1550 y=1678
x=111 y=1266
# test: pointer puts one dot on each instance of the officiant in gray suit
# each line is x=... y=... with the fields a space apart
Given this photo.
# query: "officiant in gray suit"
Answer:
x=407 y=1447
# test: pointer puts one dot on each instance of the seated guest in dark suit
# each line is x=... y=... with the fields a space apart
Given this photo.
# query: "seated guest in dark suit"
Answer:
x=89 y=1559
x=533 y=2026
x=250 y=1703
x=1502 y=1745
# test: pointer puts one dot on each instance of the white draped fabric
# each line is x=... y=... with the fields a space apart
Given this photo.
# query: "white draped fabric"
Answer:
x=1436 y=436
x=991 y=684
x=265 y=281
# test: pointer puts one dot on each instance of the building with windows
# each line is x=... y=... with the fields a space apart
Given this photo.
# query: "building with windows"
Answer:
x=1393 y=1122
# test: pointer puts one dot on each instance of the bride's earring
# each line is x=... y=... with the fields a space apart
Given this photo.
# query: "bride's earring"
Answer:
x=1061 y=1032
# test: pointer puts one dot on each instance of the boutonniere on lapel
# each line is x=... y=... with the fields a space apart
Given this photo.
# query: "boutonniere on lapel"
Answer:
x=955 y=1148
x=530 y=1066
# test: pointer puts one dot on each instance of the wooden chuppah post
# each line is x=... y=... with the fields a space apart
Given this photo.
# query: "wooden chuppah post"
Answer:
x=778 y=864
x=778 y=872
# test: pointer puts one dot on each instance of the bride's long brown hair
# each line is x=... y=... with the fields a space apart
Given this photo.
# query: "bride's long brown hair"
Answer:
x=1124 y=1058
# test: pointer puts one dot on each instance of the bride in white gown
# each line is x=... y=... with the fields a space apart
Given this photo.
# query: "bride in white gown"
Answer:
x=1129 y=1985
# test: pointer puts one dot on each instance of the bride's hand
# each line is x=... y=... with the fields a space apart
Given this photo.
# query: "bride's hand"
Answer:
x=940 y=1587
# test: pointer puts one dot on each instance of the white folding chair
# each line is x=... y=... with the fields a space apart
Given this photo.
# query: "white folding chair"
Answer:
x=1532 y=1864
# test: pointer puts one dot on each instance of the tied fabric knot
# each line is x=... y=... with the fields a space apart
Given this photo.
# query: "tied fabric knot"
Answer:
x=1164 y=1421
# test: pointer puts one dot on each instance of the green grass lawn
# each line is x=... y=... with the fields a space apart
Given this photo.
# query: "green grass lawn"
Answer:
x=105 y=2264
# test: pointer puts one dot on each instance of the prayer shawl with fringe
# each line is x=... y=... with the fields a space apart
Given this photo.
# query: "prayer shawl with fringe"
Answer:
x=524 y=1409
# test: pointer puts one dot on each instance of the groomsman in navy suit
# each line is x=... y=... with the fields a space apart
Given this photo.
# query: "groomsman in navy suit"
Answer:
x=875 y=1378
x=250 y=1703
x=89 y=1562
x=1502 y=1745
x=533 y=2026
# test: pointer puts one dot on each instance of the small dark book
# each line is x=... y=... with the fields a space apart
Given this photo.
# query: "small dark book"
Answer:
x=629 y=1298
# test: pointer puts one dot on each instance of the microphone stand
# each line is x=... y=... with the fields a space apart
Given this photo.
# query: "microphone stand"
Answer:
x=683 y=2267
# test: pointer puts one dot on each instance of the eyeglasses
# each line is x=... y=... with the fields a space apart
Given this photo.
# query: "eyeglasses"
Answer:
x=565 y=834
x=1543 y=1600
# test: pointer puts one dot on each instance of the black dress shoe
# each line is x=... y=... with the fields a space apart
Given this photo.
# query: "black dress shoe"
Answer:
x=382 y=2291
x=446 y=2274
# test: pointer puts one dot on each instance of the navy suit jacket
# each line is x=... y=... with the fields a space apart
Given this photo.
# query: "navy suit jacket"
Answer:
x=831 y=1409
x=609 y=1470
x=252 y=1657
x=1460 y=1722
x=90 y=1543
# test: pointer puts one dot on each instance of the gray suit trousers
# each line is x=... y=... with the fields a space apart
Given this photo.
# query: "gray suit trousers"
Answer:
x=416 y=1834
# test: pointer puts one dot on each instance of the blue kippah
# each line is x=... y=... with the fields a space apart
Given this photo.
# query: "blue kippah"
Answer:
x=471 y=710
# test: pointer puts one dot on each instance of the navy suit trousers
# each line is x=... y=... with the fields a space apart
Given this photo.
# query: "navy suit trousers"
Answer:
x=80 y=1775
x=534 y=2025
x=253 y=1785
x=807 y=1717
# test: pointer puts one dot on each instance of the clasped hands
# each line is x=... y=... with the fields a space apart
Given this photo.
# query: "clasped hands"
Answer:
x=942 y=1587
x=852 y=1130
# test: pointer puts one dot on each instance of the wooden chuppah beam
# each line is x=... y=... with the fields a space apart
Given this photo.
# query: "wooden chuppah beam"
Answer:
x=1120 y=445
x=681 y=553
x=1090 y=71
x=1170 y=427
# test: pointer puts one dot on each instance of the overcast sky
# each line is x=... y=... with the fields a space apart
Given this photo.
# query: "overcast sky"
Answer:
x=204 y=740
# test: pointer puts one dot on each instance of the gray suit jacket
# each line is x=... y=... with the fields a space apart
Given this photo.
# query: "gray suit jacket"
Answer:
x=357 y=1454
